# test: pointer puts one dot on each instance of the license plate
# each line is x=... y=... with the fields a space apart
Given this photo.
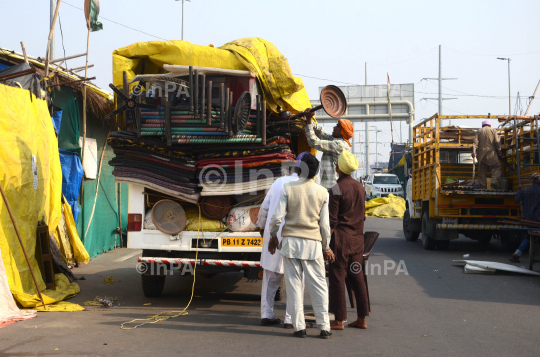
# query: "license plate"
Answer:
x=449 y=220
x=241 y=242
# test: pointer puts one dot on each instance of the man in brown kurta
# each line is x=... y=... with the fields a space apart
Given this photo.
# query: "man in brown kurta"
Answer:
x=347 y=215
x=487 y=149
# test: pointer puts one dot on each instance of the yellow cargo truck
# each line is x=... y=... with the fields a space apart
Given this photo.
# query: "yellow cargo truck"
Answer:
x=442 y=203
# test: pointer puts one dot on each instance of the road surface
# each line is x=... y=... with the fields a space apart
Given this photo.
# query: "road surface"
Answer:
x=435 y=310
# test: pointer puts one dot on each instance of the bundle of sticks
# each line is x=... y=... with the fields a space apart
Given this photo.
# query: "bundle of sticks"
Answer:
x=521 y=222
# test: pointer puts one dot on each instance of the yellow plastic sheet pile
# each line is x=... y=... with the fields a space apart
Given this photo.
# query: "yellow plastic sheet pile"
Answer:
x=31 y=177
x=386 y=207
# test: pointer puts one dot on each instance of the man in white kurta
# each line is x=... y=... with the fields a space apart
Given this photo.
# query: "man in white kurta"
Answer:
x=305 y=245
x=272 y=264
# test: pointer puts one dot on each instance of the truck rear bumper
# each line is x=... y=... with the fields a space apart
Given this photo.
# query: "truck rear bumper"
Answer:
x=214 y=262
x=475 y=226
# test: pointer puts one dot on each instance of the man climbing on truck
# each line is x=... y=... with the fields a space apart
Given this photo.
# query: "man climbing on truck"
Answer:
x=488 y=150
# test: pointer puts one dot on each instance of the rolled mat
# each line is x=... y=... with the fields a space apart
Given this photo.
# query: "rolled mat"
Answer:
x=182 y=160
x=177 y=121
x=153 y=112
x=245 y=160
x=147 y=175
x=151 y=159
x=181 y=176
x=160 y=128
x=183 y=133
x=233 y=140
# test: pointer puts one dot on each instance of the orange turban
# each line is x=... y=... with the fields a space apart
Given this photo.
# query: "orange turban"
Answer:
x=347 y=130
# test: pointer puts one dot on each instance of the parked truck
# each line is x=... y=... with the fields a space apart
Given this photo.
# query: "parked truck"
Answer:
x=442 y=200
x=213 y=252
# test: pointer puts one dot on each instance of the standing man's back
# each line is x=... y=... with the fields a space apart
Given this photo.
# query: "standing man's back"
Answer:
x=487 y=149
x=346 y=208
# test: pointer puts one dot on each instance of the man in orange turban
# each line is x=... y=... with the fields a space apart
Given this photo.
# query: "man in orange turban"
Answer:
x=331 y=145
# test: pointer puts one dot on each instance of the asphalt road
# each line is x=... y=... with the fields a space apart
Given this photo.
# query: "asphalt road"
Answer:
x=436 y=310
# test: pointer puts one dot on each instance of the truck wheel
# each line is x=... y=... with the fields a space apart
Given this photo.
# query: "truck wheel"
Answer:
x=152 y=285
x=280 y=290
x=427 y=242
x=409 y=234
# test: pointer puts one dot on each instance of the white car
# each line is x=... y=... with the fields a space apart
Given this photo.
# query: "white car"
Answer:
x=381 y=185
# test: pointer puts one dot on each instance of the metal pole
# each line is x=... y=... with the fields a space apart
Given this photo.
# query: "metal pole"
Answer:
x=377 y=148
x=411 y=121
x=51 y=48
x=440 y=82
x=367 y=131
x=51 y=32
x=365 y=72
x=182 y=20
x=509 y=91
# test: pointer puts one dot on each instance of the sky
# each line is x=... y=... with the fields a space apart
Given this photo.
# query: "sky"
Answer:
x=327 y=40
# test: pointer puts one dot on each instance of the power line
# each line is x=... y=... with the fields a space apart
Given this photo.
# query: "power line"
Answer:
x=405 y=90
x=114 y=22
x=468 y=94
x=452 y=110
x=485 y=55
x=407 y=60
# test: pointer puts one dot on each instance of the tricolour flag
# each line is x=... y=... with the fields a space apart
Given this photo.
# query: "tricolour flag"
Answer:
x=91 y=12
x=388 y=87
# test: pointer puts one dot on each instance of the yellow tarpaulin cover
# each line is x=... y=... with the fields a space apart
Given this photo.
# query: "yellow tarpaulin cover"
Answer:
x=31 y=177
x=280 y=87
x=386 y=207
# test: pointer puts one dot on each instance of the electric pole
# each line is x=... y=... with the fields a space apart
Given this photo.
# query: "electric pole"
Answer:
x=509 y=91
x=440 y=79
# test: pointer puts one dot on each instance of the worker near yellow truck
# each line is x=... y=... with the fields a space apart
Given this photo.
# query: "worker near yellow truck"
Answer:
x=487 y=150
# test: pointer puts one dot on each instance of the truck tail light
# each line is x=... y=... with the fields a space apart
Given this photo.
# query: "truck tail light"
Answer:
x=134 y=222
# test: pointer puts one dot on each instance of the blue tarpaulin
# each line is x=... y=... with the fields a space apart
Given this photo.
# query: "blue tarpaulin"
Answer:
x=56 y=119
x=72 y=174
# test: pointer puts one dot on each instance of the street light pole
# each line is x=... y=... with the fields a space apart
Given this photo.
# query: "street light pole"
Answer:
x=509 y=90
x=183 y=18
x=377 y=131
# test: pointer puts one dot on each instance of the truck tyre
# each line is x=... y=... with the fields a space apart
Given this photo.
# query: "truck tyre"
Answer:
x=427 y=241
x=409 y=234
x=152 y=285
x=280 y=290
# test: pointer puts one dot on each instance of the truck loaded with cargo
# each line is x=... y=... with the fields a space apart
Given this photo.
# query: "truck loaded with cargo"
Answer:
x=443 y=195
x=205 y=133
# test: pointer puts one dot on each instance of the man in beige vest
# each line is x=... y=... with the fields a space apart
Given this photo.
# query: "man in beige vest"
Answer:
x=306 y=237
x=488 y=150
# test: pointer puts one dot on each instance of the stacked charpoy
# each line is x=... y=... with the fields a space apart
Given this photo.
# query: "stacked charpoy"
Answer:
x=149 y=162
